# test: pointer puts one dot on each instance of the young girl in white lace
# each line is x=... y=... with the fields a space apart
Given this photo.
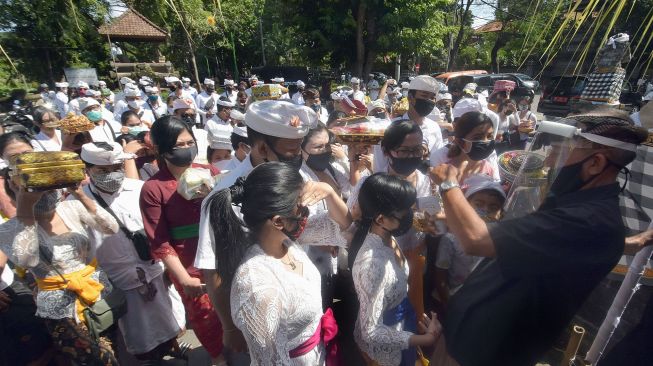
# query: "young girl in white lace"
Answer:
x=275 y=288
x=386 y=327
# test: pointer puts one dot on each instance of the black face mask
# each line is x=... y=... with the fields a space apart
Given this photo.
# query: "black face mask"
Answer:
x=481 y=150
x=405 y=166
x=319 y=162
x=568 y=179
x=508 y=112
x=172 y=88
x=295 y=161
x=380 y=115
x=182 y=157
x=316 y=107
x=405 y=223
x=424 y=107
x=188 y=120
x=210 y=90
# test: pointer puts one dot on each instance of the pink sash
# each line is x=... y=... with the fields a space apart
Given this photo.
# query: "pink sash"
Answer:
x=326 y=332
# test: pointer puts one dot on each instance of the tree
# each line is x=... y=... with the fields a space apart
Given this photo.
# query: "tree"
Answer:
x=354 y=33
x=46 y=35
x=463 y=17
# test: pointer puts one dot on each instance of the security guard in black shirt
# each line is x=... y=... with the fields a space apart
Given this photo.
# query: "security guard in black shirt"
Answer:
x=540 y=265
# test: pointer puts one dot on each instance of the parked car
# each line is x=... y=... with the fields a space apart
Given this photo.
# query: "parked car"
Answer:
x=445 y=77
x=562 y=94
x=525 y=85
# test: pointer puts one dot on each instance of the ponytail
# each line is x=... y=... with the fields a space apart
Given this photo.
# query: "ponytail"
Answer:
x=358 y=239
x=230 y=238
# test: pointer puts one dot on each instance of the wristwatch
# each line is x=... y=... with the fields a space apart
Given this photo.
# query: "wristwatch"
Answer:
x=447 y=185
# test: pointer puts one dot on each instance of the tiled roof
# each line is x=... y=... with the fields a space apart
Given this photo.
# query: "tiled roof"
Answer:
x=132 y=25
x=490 y=27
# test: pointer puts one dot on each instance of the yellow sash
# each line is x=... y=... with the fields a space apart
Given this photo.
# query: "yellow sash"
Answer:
x=80 y=282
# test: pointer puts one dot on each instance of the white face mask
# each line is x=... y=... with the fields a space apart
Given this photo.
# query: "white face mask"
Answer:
x=374 y=94
x=222 y=164
x=171 y=111
x=135 y=104
x=404 y=93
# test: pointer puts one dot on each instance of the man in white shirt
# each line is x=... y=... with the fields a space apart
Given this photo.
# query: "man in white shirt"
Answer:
x=61 y=98
x=135 y=104
x=357 y=92
x=240 y=145
x=230 y=91
x=253 y=80
x=104 y=130
x=275 y=130
x=298 y=97
x=150 y=323
x=312 y=100
x=189 y=89
x=175 y=86
x=422 y=93
x=80 y=89
x=124 y=82
x=206 y=101
x=154 y=102
x=111 y=98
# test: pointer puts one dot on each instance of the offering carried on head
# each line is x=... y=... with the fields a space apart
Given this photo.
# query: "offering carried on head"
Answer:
x=46 y=170
x=360 y=129
x=73 y=124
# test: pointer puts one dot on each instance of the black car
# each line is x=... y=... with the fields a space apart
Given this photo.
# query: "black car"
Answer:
x=560 y=93
x=525 y=85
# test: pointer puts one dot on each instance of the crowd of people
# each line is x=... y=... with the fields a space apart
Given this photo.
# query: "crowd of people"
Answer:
x=295 y=248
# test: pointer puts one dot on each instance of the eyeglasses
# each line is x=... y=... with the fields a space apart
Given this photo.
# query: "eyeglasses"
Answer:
x=409 y=153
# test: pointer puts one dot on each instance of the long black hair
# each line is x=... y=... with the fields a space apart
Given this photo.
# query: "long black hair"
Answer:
x=165 y=131
x=270 y=189
x=396 y=133
x=380 y=194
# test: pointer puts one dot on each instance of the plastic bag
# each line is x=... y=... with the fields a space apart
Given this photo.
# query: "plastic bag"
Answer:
x=195 y=183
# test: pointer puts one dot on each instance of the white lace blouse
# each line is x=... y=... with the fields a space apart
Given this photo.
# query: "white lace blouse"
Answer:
x=381 y=284
x=70 y=251
x=412 y=238
x=277 y=310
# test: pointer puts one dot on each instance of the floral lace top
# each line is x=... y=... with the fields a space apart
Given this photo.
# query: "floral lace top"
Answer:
x=70 y=252
x=381 y=284
x=277 y=310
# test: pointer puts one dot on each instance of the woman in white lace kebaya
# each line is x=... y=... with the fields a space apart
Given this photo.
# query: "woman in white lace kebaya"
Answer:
x=386 y=327
x=275 y=288
x=50 y=239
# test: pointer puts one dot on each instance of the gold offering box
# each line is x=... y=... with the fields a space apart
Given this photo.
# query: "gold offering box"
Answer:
x=46 y=170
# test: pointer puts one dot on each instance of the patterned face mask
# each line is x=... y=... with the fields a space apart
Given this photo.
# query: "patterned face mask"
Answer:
x=108 y=182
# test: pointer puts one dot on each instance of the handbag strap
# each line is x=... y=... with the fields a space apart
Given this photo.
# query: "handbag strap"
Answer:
x=43 y=255
x=106 y=207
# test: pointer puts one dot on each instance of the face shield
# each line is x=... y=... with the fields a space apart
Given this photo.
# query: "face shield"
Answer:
x=538 y=167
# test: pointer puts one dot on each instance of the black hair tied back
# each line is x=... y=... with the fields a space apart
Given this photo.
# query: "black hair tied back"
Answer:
x=237 y=191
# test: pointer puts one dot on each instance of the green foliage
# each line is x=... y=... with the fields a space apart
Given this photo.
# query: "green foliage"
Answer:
x=47 y=35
